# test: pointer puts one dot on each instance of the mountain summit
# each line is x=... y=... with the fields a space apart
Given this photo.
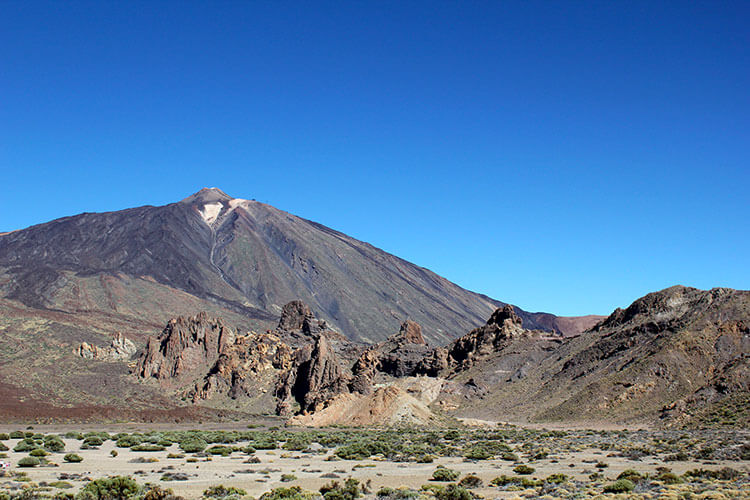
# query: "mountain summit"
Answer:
x=229 y=255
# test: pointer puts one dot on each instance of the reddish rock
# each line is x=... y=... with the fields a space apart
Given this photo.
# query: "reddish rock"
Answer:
x=185 y=348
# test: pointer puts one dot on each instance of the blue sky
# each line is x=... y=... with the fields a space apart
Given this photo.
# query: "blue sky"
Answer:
x=564 y=156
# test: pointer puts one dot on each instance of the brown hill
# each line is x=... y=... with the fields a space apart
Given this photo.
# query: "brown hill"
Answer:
x=674 y=354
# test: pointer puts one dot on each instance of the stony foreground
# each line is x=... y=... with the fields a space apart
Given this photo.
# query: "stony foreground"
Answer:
x=492 y=462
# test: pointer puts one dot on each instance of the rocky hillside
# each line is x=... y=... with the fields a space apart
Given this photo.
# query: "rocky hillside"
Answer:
x=681 y=355
x=238 y=259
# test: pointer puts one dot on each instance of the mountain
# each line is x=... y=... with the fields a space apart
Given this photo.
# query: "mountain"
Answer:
x=679 y=356
x=239 y=259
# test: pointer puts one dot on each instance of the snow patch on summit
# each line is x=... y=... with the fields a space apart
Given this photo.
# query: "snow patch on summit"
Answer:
x=210 y=212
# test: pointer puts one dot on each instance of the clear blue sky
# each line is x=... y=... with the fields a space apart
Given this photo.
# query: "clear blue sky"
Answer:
x=564 y=156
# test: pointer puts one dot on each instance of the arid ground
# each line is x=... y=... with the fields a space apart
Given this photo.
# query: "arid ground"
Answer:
x=563 y=464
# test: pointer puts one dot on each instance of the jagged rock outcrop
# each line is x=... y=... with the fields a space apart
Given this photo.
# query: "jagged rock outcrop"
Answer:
x=242 y=368
x=316 y=376
x=480 y=343
x=121 y=349
x=398 y=356
x=185 y=349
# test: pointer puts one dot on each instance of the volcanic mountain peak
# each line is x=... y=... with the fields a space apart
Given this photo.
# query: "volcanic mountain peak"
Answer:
x=207 y=195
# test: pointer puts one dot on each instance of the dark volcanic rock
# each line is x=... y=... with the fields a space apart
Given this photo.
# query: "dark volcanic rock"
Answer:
x=294 y=315
x=503 y=325
x=398 y=356
x=314 y=378
x=186 y=347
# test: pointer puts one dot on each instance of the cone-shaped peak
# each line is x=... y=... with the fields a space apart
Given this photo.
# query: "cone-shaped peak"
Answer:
x=208 y=195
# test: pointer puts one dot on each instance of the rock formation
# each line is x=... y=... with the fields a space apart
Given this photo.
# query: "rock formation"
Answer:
x=240 y=368
x=398 y=356
x=185 y=348
x=314 y=378
x=503 y=326
x=121 y=349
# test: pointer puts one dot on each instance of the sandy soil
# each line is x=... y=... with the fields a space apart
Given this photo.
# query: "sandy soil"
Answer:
x=309 y=468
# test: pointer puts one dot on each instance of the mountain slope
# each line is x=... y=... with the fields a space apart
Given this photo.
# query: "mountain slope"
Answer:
x=680 y=354
x=235 y=255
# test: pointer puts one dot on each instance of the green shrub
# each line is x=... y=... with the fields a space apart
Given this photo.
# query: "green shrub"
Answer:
x=556 y=478
x=39 y=452
x=297 y=442
x=397 y=493
x=509 y=456
x=3 y=447
x=334 y=490
x=4 y=436
x=193 y=445
x=128 y=441
x=620 y=486
x=444 y=474
x=111 y=488
x=631 y=475
x=453 y=492
x=286 y=478
x=477 y=453
x=222 y=491
x=147 y=447
x=54 y=444
x=93 y=441
x=363 y=449
x=292 y=493
x=503 y=480
x=669 y=478
x=523 y=470
x=113 y=453
x=17 y=435
x=25 y=445
x=28 y=462
x=73 y=458
x=471 y=481
x=62 y=485
x=224 y=451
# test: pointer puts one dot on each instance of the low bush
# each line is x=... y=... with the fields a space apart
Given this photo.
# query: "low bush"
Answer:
x=28 y=462
x=471 y=481
x=110 y=488
x=396 y=493
x=334 y=490
x=631 y=475
x=53 y=444
x=453 y=492
x=523 y=470
x=17 y=435
x=444 y=474
x=147 y=447
x=224 y=451
x=556 y=478
x=39 y=452
x=286 y=478
x=25 y=445
x=477 y=453
x=194 y=445
x=222 y=491
x=93 y=441
x=620 y=486
x=292 y=493
x=73 y=458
